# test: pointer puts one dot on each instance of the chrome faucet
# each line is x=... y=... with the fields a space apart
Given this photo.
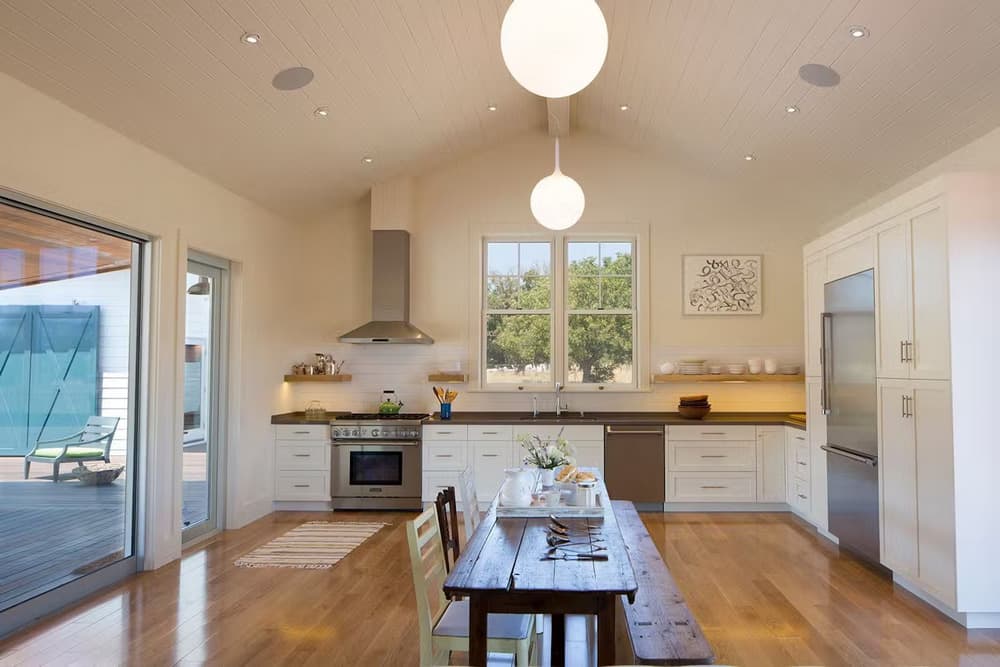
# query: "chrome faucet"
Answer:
x=534 y=406
x=559 y=406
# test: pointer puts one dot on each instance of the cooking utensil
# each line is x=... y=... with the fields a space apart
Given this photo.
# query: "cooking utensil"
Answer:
x=554 y=519
x=563 y=556
x=577 y=549
x=563 y=531
x=559 y=541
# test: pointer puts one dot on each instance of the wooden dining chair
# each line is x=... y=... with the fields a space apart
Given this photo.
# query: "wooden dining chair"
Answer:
x=444 y=625
x=447 y=514
x=470 y=504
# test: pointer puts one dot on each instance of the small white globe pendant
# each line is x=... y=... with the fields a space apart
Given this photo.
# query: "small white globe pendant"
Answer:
x=554 y=48
x=557 y=201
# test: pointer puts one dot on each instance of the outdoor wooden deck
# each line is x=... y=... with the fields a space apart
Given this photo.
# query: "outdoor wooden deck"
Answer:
x=51 y=533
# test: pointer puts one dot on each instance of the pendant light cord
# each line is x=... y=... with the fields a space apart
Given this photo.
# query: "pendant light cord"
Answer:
x=558 y=132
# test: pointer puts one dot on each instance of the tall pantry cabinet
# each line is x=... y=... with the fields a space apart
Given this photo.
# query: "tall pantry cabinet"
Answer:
x=934 y=251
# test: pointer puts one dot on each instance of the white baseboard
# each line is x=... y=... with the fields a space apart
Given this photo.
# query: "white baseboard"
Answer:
x=982 y=620
x=303 y=506
x=828 y=535
x=904 y=582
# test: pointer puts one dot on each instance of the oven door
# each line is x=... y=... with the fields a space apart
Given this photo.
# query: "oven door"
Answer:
x=389 y=469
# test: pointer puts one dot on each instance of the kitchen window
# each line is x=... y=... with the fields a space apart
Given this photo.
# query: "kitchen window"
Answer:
x=563 y=309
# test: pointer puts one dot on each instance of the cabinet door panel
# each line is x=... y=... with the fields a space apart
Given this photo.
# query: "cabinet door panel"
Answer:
x=489 y=460
x=771 y=464
x=931 y=340
x=898 y=474
x=815 y=280
x=935 y=487
x=818 y=511
x=893 y=295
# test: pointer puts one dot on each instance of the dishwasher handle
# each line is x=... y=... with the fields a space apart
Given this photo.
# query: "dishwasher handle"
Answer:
x=610 y=430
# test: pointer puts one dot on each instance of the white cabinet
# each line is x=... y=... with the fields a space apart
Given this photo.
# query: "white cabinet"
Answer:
x=850 y=257
x=917 y=483
x=302 y=463
x=445 y=455
x=489 y=460
x=815 y=282
x=912 y=297
x=816 y=434
x=770 y=464
x=798 y=478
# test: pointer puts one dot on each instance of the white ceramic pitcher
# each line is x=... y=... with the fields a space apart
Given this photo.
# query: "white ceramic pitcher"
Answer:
x=517 y=486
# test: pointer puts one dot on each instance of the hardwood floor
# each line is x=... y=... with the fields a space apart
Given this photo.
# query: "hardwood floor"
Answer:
x=765 y=588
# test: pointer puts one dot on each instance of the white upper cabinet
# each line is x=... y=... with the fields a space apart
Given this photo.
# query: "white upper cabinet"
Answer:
x=814 y=283
x=913 y=318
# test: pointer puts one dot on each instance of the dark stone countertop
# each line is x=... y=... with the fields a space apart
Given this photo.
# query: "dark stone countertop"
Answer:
x=299 y=418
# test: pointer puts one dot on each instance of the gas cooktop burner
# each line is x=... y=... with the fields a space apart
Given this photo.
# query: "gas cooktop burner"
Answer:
x=374 y=416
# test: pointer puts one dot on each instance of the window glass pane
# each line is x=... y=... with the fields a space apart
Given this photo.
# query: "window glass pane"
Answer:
x=536 y=292
x=535 y=258
x=518 y=349
x=501 y=259
x=616 y=258
x=583 y=258
x=584 y=293
x=616 y=293
x=600 y=349
x=502 y=292
x=66 y=317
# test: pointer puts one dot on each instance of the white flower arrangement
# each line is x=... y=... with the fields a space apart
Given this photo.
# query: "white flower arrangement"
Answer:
x=546 y=454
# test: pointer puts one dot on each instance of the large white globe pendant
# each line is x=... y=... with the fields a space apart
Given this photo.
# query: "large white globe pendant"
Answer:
x=554 y=48
x=557 y=201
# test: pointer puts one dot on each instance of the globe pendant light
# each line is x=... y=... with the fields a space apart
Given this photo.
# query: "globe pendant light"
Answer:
x=557 y=201
x=554 y=48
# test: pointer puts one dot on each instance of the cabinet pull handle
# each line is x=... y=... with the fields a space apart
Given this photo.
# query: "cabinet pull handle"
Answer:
x=302 y=456
x=800 y=437
x=801 y=463
x=490 y=456
x=302 y=486
x=713 y=433
x=443 y=456
x=710 y=486
x=903 y=397
x=802 y=497
x=490 y=432
x=902 y=350
x=301 y=432
x=713 y=456
x=909 y=351
x=444 y=432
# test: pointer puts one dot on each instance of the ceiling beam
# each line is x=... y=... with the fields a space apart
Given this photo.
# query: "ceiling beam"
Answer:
x=558 y=115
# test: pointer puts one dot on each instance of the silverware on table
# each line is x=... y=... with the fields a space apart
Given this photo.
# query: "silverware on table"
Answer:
x=565 y=526
x=558 y=541
x=564 y=556
x=577 y=548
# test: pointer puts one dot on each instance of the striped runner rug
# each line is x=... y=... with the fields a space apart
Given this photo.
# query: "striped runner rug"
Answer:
x=316 y=545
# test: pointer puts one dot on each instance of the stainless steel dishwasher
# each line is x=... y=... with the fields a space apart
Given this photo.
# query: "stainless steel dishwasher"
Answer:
x=635 y=464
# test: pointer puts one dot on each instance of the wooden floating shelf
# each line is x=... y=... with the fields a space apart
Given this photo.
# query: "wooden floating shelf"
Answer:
x=677 y=377
x=341 y=377
x=447 y=377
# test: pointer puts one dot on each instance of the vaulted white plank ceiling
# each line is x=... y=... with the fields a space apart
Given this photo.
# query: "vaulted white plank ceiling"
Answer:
x=410 y=83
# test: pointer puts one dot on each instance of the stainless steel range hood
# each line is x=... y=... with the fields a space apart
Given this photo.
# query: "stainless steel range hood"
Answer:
x=390 y=294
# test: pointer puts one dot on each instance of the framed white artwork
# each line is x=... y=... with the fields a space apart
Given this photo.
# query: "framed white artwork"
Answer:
x=722 y=284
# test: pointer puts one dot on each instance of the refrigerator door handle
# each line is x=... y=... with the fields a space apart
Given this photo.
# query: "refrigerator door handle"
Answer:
x=849 y=455
x=825 y=325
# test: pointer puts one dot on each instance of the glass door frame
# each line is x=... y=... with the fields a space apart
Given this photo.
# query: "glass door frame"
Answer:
x=66 y=594
x=218 y=270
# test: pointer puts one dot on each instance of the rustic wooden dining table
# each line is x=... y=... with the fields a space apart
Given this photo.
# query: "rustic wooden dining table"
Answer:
x=501 y=570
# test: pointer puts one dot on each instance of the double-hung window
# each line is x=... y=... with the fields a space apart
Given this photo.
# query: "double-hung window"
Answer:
x=559 y=310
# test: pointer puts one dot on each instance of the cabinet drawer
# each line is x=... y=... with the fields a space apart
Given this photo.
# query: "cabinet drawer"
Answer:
x=302 y=485
x=696 y=456
x=442 y=432
x=572 y=432
x=489 y=460
x=800 y=496
x=445 y=455
x=718 y=487
x=435 y=482
x=502 y=432
x=712 y=432
x=291 y=455
x=311 y=432
x=802 y=462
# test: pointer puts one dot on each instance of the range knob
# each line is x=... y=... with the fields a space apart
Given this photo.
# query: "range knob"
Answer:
x=374 y=432
x=336 y=432
x=355 y=433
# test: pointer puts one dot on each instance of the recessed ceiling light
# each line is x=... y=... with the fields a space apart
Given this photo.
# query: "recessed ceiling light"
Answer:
x=749 y=157
x=491 y=107
x=857 y=31
x=322 y=112
x=791 y=108
x=367 y=160
x=250 y=38
x=624 y=107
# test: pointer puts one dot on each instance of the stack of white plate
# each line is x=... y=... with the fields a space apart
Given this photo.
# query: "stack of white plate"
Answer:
x=789 y=369
x=714 y=369
x=691 y=366
x=736 y=369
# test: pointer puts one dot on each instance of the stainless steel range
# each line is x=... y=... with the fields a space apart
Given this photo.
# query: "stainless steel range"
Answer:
x=376 y=462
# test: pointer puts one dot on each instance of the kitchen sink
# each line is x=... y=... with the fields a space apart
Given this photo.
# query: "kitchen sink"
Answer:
x=552 y=417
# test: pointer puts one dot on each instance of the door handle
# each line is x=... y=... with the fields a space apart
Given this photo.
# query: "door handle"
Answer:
x=849 y=455
x=902 y=350
x=903 y=409
x=909 y=351
x=612 y=431
x=826 y=324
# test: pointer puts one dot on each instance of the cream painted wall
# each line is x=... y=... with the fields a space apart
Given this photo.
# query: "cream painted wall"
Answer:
x=53 y=153
x=684 y=213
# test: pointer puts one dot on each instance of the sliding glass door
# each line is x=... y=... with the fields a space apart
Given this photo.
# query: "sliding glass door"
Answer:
x=70 y=327
x=204 y=324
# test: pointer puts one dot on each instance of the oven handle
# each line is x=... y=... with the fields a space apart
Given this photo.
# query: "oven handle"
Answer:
x=376 y=443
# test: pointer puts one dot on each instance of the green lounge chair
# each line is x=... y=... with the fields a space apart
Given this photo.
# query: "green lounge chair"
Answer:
x=93 y=443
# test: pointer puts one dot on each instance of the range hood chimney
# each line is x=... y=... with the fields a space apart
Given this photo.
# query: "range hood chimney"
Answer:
x=391 y=214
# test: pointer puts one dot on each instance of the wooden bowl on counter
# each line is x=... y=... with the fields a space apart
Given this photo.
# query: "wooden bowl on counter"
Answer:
x=693 y=411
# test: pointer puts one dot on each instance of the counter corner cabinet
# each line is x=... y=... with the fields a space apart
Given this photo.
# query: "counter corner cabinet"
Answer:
x=302 y=463
x=936 y=368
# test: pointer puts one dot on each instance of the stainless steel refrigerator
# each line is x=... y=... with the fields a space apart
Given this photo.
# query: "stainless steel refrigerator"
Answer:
x=850 y=403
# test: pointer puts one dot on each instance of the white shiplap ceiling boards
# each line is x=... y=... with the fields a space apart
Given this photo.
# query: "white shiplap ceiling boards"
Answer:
x=409 y=83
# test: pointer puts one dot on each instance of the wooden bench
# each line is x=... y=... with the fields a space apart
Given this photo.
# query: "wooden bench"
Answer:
x=658 y=628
